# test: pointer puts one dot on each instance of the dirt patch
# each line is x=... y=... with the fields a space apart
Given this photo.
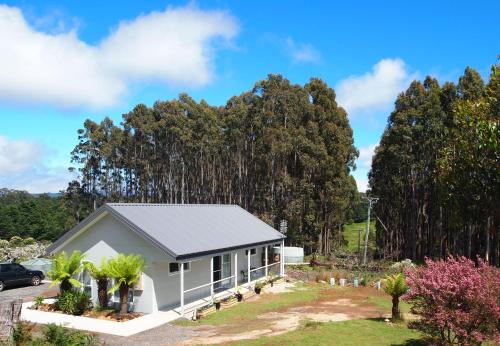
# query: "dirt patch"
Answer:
x=334 y=305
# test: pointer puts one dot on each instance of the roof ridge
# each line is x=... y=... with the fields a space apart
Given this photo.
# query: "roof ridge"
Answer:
x=172 y=204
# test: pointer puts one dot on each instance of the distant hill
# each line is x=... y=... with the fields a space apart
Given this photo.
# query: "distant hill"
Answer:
x=6 y=191
x=41 y=216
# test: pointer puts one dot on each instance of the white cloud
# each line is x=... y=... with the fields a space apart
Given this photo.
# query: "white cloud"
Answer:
x=362 y=184
x=303 y=52
x=17 y=155
x=39 y=179
x=174 y=47
x=22 y=168
x=375 y=90
x=365 y=156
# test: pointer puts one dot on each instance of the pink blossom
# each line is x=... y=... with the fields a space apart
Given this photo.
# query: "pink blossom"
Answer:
x=457 y=300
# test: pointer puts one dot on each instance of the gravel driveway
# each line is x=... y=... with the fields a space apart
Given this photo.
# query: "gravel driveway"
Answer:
x=27 y=292
x=166 y=334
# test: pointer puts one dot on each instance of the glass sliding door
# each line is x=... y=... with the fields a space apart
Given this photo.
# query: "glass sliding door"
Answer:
x=222 y=270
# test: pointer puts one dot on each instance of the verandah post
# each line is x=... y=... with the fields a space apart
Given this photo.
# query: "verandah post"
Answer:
x=212 y=278
x=235 y=270
x=249 y=252
x=182 y=287
x=265 y=261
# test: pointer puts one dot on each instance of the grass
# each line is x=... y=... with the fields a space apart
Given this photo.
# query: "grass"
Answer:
x=243 y=317
x=351 y=236
x=248 y=311
x=386 y=303
x=357 y=332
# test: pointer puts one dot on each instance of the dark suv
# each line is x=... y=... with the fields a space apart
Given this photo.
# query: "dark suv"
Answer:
x=13 y=274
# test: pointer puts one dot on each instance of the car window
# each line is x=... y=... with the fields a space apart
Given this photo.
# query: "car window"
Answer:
x=5 y=268
x=18 y=268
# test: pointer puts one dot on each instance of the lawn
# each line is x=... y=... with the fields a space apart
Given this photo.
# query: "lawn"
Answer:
x=351 y=236
x=358 y=332
x=246 y=311
x=366 y=308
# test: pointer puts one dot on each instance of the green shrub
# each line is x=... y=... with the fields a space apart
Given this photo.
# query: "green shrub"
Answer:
x=38 y=301
x=21 y=334
x=53 y=335
x=60 y=336
x=73 y=302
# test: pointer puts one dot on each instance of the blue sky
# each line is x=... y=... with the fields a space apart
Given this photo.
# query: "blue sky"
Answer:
x=65 y=61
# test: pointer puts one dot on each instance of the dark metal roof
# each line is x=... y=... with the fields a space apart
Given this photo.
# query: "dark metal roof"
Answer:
x=187 y=230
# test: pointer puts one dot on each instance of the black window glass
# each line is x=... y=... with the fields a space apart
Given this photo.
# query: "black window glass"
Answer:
x=173 y=267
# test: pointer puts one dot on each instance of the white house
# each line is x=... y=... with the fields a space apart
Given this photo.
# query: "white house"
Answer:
x=191 y=250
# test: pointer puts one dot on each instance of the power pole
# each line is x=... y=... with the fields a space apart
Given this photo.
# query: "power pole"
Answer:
x=359 y=244
x=371 y=200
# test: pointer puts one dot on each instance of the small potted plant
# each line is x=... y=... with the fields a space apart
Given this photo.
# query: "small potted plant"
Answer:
x=217 y=304
x=258 y=287
x=239 y=294
x=271 y=278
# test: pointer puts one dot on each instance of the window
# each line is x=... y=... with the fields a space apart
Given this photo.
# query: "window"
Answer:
x=173 y=267
x=6 y=268
x=86 y=281
x=116 y=295
x=17 y=268
x=226 y=266
x=253 y=252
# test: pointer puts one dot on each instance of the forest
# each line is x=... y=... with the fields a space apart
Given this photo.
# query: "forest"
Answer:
x=41 y=217
x=281 y=151
x=436 y=171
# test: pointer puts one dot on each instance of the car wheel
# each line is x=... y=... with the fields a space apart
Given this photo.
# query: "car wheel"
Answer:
x=35 y=280
x=1 y=286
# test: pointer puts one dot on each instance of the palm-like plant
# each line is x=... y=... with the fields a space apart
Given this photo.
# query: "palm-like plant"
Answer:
x=101 y=275
x=126 y=270
x=395 y=286
x=65 y=270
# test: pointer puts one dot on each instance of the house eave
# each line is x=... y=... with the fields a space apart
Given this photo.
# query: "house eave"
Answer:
x=201 y=254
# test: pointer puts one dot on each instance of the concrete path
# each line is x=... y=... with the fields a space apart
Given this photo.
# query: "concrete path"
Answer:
x=126 y=328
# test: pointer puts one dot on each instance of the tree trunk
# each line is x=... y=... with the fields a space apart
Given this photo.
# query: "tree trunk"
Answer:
x=123 y=298
x=102 y=293
x=395 y=308
x=65 y=286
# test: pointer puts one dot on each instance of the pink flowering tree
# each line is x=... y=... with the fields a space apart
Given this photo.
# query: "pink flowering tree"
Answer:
x=456 y=300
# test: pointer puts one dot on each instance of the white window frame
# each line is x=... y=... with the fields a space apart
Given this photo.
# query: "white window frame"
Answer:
x=251 y=254
x=81 y=278
x=170 y=273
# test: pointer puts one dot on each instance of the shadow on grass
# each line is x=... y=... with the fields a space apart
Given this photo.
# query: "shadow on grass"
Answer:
x=412 y=342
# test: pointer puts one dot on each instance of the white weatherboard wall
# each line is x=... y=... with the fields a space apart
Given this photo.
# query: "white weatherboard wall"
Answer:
x=107 y=238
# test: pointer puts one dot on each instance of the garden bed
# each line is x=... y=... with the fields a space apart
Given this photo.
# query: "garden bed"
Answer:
x=102 y=314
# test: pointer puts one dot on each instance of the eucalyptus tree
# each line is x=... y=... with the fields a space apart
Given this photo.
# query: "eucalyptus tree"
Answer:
x=280 y=150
